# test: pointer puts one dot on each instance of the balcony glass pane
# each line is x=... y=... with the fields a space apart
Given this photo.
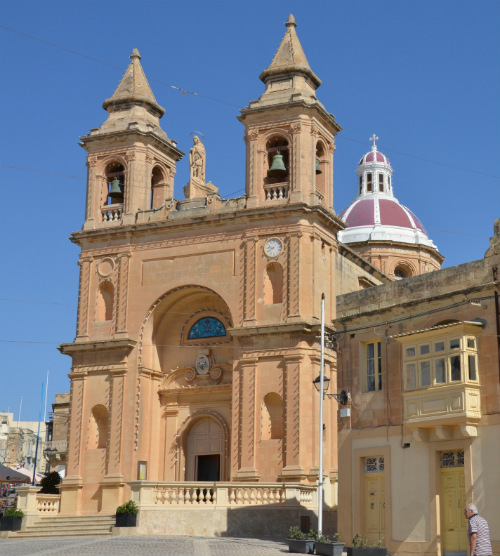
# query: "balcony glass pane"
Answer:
x=439 y=346
x=471 y=343
x=411 y=376
x=410 y=352
x=424 y=350
x=472 y=367
x=456 y=373
x=425 y=373
x=440 y=371
x=454 y=344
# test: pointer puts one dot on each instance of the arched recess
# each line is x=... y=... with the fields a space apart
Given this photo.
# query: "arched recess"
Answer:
x=272 y=417
x=273 y=284
x=202 y=444
x=105 y=298
x=98 y=427
x=167 y=324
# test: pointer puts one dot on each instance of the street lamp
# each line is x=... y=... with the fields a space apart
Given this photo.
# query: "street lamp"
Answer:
x=322 y=383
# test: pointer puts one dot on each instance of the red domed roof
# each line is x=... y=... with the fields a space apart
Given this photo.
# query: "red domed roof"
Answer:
x=374 y=156
x=384 y=212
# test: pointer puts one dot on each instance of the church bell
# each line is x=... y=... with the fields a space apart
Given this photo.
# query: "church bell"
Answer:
x=278 y=168
x=318 y=167
x=116 y=189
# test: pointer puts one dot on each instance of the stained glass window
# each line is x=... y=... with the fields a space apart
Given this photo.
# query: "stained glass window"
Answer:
x=208 y=327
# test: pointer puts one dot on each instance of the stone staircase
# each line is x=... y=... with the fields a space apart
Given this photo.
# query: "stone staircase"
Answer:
x=69 y=526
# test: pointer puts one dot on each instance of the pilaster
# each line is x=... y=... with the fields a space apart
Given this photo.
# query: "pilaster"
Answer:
x=83 y=298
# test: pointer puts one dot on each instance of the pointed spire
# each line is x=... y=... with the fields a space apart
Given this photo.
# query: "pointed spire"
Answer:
x=134 y=89
x=290 y=57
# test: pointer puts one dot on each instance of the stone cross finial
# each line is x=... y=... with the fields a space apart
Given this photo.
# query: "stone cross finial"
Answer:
x=374 y=138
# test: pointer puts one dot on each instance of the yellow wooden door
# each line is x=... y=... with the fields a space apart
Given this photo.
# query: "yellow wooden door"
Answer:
x=453 y=522
x=375 y=506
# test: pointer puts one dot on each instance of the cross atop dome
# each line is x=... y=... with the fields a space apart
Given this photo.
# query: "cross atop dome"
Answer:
x=374 y=138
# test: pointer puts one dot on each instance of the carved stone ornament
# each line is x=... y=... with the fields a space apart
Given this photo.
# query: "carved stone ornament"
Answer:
x=253 y=135
x=216 y=374
x=190 y=374
x=105 y=267
x=296 y=128
x=202 y=364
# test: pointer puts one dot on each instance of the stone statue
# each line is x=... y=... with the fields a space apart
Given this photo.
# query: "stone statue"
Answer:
x=197 y=160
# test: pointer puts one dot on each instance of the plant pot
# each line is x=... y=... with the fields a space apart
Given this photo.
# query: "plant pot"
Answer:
x=329 y=548
x=126 y=520
x=10 y=523
x=366 y=551
x=301 y=546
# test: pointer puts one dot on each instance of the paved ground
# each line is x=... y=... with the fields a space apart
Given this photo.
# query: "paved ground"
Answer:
x=142 y=546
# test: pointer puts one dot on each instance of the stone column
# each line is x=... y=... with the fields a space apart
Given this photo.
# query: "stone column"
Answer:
x=113 y=482
x=72 y=484
x=292 y=471
x=249 y=278
x=82 y=322
x=246 y=410
x=293 y=306
x=122 y=295
x=254 y=172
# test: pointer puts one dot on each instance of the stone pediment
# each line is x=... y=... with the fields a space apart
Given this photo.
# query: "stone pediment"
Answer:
x=195 y=377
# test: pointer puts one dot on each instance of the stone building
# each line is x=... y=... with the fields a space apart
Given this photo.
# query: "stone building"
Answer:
x=198 y=320
x=198 y=334
x=421 y=359
x=56 y=445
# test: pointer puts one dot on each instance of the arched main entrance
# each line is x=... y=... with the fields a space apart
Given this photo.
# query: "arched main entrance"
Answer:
x=205 y=451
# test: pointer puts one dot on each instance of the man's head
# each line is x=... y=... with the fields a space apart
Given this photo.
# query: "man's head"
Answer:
x=470 y=510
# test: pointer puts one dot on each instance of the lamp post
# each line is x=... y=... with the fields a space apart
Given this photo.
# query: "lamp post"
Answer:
x=322 y=383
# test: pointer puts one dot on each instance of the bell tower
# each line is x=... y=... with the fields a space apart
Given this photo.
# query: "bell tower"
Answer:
x=289 y=134
x=131 y=161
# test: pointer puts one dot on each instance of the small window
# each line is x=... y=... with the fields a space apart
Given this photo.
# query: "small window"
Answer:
x=411 y=376
x=410 y=352
x=471 y=343
x=454 y=344
x=373 y=366
x=369 y=185
x=381 y=182
x=425 y=349
x=374 y=465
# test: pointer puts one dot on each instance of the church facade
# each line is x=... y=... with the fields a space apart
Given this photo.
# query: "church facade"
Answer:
x=198 y=331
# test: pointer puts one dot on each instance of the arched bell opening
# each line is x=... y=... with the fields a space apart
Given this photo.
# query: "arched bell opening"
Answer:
x=115 y=180
x=278 y=160
x=320 y=171
x=158 y=185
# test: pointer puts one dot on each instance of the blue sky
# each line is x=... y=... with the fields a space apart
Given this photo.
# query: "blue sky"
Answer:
x=424 y=76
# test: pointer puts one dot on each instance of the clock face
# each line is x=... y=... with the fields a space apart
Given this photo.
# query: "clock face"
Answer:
x=273 y=247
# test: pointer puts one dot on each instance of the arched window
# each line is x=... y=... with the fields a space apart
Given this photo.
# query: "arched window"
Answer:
x=272 y=417
x=402 y=271
x=105 y=295
x=115 y=179
x=157 y=179
x=98 y=427
x=207 y=327
x=273 y=284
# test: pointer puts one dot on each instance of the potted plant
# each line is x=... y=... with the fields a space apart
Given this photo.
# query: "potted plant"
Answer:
x=361 y=547
x=126 y=514
x=11 y=520
x=300 y=542
x=329 y=546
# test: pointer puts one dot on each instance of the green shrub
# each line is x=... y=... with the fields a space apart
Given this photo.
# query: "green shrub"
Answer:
x=49 y=483
x=296 y=534
x=13 y=512
x=129 y=507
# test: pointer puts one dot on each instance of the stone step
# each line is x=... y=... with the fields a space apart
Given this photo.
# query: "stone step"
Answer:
x=69 y=526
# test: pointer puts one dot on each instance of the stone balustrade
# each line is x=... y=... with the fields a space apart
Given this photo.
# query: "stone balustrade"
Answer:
x=112 y=213
x=276 y=191
x=47 y=504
